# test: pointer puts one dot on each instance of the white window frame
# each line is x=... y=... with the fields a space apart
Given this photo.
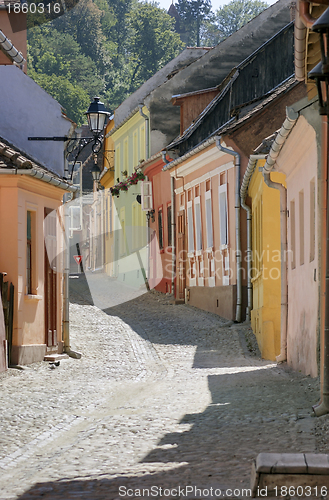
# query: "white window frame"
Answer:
x=190 y=228
x=223 y=215
x=209 y=223
x=198 y=225
x=146 y=195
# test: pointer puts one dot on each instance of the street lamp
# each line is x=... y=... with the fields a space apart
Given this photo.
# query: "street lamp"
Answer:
x=96 y=116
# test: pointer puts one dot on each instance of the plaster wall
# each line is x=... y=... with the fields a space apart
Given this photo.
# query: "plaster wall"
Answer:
x=17 y=196
x=266 y=273
x=298 y=160
x=31 y=112
x=161 y=201
x=211 y=267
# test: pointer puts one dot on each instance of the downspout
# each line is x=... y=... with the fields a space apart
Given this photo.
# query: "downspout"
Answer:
x=66 y=288
x=300 y=45
x=173 y=242
x=237 y=227
x=243 y=194
x=291 y=118
x=322 y=408
x=147 y=130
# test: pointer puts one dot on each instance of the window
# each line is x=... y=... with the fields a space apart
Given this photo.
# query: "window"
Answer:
x=223 y=228
x=209 y=230
x=135 y=150
x=169 y=225
x=111 y=214
x=29 y=253
x=107 y=216
x=301 y=228
x=146 y=194
x=122 y=240
x=160 y=228
x=190 y=231
x=312 y=220
x=293 y=234
x=117 y=161
x=125 y=156
x=142 y=143
x=198 y=229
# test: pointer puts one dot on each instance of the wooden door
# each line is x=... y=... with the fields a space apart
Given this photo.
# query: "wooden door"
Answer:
x=50 y=279
x=181 y=256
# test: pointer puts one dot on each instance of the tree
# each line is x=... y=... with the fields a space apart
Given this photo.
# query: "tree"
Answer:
x=73 y=98
x=152 y=41
x=194 y=15
x=235 y=14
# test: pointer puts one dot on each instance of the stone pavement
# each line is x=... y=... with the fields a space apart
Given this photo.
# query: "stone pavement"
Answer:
x=164 y=396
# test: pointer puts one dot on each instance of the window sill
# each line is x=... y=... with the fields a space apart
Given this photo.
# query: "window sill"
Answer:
x=198 y=253
x=33 y=297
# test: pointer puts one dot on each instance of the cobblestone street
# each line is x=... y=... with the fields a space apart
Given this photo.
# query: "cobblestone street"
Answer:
x=164 y=395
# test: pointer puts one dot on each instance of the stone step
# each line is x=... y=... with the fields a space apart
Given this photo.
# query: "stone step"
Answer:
x=272 y=472
x=55 y=357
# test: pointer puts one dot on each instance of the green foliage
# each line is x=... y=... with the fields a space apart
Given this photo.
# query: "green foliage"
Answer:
x=235 y=14
x=152 y=41
x=195 y=14
x=101 y=47
x=73 y=98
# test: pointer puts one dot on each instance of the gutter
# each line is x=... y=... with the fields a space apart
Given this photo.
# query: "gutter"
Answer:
x=49 y=179
x=10 y=51
x=147 y=130
x=237 y=227
x=288 y=124
x=173 y=243
x=300 y=45
x=243 y=194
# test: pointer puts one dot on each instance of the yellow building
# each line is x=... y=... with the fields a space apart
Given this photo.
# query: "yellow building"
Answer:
x=124 y=216
x=266 y=263
x=107 y=180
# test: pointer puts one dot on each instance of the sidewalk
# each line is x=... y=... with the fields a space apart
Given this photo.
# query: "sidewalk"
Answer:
x=164 y=396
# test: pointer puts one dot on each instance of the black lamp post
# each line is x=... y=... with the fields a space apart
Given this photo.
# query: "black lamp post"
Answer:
x=96 y=116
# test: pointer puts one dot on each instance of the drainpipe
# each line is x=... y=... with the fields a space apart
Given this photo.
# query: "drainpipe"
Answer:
x=322 y=408
x=291 y=118
x=173 y=243
x=147 y=135
x=237 y=227
x=243 y=194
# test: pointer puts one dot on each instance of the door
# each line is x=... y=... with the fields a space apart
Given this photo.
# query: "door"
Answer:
x=50 y=278
x=181 y=256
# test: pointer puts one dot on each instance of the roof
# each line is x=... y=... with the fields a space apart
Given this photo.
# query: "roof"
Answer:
x=240 y=106
x=234 y=124
x=11 y=158
x=184 y=59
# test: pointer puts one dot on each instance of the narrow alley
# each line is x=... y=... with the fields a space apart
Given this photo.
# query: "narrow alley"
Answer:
x=164 y=396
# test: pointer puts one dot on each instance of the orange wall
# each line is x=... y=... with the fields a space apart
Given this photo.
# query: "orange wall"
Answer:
x=17 y=195
x=161 y=198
